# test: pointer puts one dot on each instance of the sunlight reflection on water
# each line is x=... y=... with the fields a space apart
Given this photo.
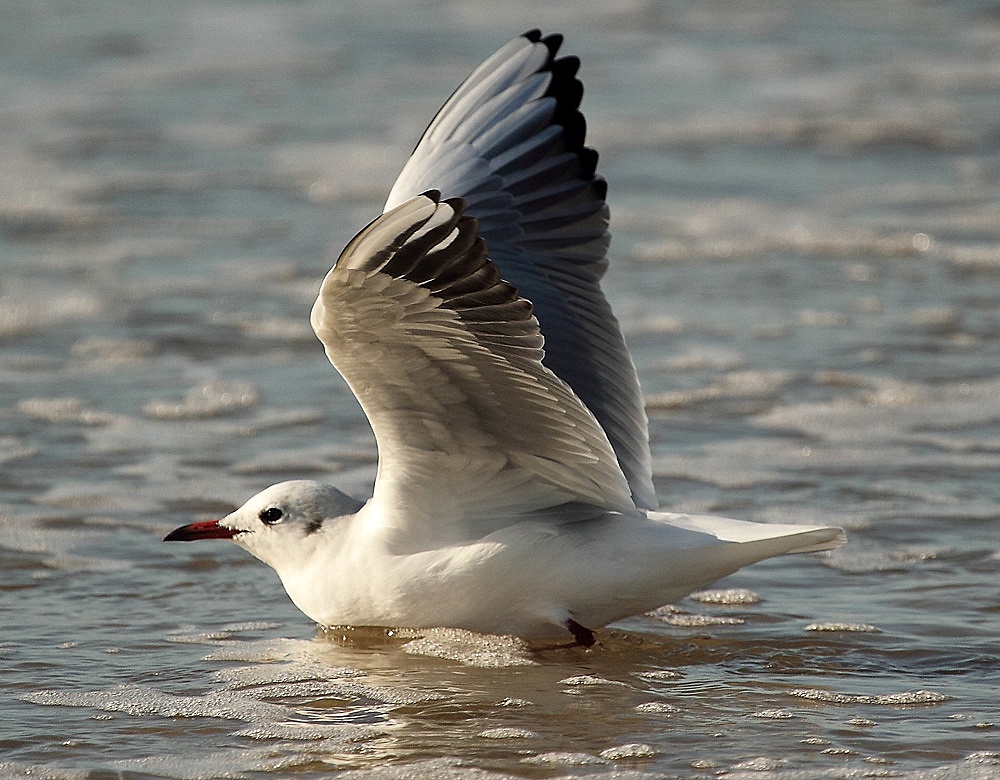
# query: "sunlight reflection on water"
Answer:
x=805 y=263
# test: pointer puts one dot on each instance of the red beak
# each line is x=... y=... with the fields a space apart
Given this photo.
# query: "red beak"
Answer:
x=207 y=529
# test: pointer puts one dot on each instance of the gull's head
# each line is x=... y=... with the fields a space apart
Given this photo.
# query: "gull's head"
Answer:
x=277 y=523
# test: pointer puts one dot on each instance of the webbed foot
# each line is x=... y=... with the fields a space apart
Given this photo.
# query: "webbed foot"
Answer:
x=584 y=636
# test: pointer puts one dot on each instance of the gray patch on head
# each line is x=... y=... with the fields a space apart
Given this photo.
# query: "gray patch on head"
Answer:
x=314 y=525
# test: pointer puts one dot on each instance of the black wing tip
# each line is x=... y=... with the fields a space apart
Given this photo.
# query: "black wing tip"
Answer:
x=552 y=41
x=457 y=204
x=600 y=185
x=566 y=68
x=567 y=89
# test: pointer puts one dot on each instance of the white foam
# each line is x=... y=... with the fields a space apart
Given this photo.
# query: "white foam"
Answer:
x=231 y=764
x=444 y=768
x=590 y=679
x=761 y=764
x=346 y=733
x=661 y=674
x=143 y=701
x=773 y=714
x=472 y=649
x=673 y=616
x=508 y=733
x=564 y=758
x=862 y=628
x=657 y=708
x=631 y=750
x=346 y=691
x=906 y=699
x=726 y=596
x=19 y=769
x=240 y=677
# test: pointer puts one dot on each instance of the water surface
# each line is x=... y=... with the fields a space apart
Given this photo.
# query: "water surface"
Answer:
x=806 y=264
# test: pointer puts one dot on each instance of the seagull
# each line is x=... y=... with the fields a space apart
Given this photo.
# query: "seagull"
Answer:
x=514 y=492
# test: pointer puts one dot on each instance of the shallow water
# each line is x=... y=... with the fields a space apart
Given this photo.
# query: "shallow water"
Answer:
x=806 y=264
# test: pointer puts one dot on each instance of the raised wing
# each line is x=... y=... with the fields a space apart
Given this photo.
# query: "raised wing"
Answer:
x=445 y=359
x=510 y=142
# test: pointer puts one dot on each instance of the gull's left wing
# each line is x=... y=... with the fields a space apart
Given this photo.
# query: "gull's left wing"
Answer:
x=510 y=142
x=445 y=359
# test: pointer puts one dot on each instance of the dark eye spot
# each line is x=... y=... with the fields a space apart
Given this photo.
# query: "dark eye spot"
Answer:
x=271 y=515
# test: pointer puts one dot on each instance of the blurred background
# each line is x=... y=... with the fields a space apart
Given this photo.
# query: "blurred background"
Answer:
x=806 y=263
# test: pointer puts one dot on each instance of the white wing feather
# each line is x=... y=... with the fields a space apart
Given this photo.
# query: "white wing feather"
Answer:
x=445 y=359
x=509 y=142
